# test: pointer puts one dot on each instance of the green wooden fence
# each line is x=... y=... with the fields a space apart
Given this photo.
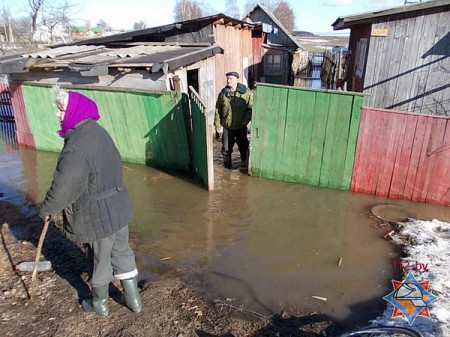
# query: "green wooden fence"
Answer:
x=304 y=135
x=148 y=128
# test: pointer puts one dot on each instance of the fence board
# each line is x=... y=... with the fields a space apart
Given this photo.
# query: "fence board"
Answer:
x=355 y=118
x=292 y=128
x=406 y=143
x=435 y=153
x=439 y=187
x=320 y=117
x=279 y=136
x=306 y=111
x=411 y=159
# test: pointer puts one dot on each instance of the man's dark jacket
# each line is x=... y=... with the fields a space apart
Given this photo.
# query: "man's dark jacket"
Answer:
x=87 y=185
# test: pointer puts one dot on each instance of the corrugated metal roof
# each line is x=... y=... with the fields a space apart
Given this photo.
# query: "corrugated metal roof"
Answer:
x=99 y=58
x=348 y=21
x=53 y=53
x=142 y=50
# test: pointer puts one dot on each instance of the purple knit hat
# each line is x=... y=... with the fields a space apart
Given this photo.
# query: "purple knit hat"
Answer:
x=79 y=108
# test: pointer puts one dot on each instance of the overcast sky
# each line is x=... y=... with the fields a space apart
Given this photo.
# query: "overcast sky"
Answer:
x=311 y=15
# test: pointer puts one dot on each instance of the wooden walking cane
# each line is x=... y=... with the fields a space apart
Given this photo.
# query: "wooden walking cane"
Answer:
x=38 y=257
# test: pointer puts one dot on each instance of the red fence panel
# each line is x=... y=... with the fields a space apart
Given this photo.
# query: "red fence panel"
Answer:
x=24 y=134
x=403 y=155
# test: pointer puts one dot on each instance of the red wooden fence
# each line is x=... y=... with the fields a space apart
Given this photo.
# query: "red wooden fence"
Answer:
x=24 y=134
x=403 y=155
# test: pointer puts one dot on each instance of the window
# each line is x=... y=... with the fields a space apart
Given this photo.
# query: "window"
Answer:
x=272 y=64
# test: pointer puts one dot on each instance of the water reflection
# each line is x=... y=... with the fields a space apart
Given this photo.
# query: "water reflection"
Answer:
x=269 y=245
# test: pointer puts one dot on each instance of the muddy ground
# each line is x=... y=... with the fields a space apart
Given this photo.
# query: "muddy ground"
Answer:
x=170 y=307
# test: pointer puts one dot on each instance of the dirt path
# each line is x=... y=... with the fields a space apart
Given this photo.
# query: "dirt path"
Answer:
x=170 y=307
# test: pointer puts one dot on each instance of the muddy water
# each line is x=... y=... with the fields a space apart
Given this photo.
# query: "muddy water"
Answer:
x=264 y=244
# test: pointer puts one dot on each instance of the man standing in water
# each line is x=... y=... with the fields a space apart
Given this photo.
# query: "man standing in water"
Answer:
x=233 y=113
x=87 y=186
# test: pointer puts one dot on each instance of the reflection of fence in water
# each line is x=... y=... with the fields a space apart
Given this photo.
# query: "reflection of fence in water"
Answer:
x=6 y=111
x=7 y=125
x=8 y=133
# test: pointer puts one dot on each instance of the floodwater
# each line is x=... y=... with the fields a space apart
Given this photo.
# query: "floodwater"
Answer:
x=263 y=244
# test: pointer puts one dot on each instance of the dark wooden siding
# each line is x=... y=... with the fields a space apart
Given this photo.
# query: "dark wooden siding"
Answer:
x=358 y=32
x=257 y=41
x=279 y=38
x=237 y=45
x=409 y=69
x=403 y=156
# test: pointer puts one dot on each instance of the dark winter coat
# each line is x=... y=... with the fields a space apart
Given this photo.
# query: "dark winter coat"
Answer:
x=87 y=185
x=233 y=108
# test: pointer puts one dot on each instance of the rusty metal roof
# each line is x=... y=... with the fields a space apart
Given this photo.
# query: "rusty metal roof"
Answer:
x=166 y=30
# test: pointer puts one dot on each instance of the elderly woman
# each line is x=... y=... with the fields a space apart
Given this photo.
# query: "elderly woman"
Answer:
x=87 y=187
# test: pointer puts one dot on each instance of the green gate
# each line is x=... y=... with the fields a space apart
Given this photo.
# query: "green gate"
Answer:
x=304 y=135
x=202 y=142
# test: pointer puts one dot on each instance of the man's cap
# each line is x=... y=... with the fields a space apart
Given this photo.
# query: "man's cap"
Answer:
x=232 y=73
x=410 y=292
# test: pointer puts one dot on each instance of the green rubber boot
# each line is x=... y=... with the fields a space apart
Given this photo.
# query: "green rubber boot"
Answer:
x=131 y=297
x=98 y=304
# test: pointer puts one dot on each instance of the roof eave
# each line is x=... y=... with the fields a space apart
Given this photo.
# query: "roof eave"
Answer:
x=366 y=17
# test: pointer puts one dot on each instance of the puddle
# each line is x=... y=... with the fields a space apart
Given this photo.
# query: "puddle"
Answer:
x=263 y=244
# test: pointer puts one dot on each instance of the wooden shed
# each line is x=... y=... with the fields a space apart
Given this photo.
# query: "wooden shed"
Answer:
x=400 y=57
x=273 y=48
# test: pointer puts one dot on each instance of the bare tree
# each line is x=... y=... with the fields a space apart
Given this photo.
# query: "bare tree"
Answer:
x=284 y=13
x=206 y=8
x=34 y=10
x=56 y=17
x=102 y=23
x=21 y=29
x=232 y=9
x=6 y=25
x=187 y=10
x=139 y=25
x=17 y=32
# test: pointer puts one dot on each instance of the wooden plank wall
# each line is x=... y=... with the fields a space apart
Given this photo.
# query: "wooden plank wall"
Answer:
x=304 y=135
x=257 y=68
x=148 y=128
x=403 y=155
x=409 y=69
x=358 y=32
x=237 y=45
